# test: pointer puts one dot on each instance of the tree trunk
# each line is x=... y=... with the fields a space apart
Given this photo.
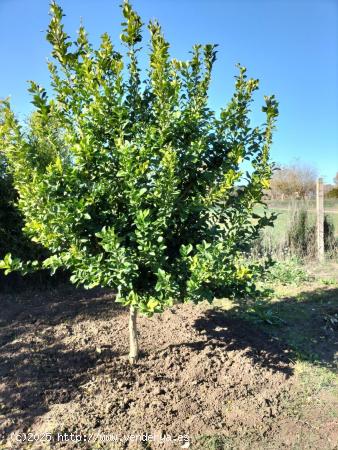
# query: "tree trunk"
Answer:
x=133 y=354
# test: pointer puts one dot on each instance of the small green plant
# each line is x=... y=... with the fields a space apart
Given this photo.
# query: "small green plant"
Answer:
x=261 y=312
x=329 y=282
x=288 y=271
x=214 y=443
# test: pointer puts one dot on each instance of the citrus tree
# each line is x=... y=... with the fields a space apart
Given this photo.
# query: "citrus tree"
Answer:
x=130 y=180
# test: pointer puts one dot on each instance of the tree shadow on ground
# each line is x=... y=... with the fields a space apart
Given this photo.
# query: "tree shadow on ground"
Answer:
x=307 y=323
x=33 y=380
x=276 y=334
x=224 y=329
x=301 y=327
x=35 y=375
x=49 y=308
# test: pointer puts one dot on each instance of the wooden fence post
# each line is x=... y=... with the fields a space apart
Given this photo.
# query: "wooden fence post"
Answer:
x=320 y=220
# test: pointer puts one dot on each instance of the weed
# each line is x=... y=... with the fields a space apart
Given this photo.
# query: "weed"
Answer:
x=261 y=312
x=300 y=236
x=214 y=443
x=288 y=272
x=329 y=282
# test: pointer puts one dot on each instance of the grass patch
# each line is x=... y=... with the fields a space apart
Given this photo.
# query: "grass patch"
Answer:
x=288 y=271
x=282 y=208
x=306 y=322
x=214 y=443
x=301 y=313
x=315 y=378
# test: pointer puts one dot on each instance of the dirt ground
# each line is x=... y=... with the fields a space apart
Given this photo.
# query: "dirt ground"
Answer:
x=206 y=379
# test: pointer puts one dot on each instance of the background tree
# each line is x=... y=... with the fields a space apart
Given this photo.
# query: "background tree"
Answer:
x=137 y=190
x=12 y=238
x=39 y=153
x=332 y=192
x=295 y=180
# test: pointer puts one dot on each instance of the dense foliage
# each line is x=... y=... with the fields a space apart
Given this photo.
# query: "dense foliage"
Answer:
x=332 y=193
x=9 y=215
x=136 y=184
x=12 y=238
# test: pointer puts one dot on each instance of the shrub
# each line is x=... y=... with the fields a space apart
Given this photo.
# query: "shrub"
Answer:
x=330 y=240
x=302 y=238
x=332 y=193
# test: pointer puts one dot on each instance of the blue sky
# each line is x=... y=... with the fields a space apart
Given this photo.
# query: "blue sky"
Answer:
x=290 y=45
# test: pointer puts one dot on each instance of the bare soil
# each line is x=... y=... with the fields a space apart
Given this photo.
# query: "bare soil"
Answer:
x=203 y=374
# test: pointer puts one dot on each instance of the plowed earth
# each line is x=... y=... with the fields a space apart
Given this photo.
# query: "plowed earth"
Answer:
x=64 y=370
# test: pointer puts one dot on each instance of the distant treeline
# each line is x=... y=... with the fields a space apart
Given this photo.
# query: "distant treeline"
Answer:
x=298 y=181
